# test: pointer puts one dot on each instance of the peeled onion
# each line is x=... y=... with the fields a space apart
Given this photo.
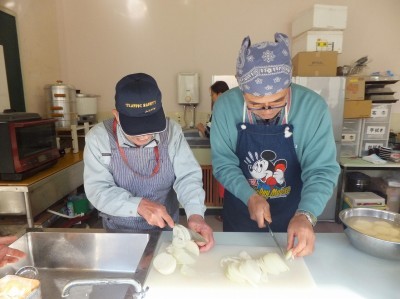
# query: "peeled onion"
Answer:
x=245 y=269
x=183 y=251
x=164 y=263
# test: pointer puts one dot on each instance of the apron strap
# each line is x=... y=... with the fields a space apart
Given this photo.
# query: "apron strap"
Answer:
x=125 y=159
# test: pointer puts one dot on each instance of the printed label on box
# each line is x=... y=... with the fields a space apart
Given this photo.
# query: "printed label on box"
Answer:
x=349 y=137
x=376 y=130
x=370 y=145
x=324 y=45
x=379 y=112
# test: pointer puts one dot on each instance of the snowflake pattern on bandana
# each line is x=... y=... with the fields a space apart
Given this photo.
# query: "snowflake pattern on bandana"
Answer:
x=264 y=68
x=250 y=58
x=268 y=56
x=259 y=81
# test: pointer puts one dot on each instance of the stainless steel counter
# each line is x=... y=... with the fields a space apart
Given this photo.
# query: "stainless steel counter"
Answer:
x=34 y=195
x=338 y=269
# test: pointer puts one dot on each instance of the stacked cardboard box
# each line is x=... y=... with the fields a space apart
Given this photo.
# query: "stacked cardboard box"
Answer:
x=355 y=105
x=317 y=39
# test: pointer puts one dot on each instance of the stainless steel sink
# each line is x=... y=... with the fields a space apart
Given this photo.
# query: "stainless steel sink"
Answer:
x=195 y=140
x=62 y=257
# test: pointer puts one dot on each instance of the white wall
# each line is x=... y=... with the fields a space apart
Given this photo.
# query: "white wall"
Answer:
x=91 y=44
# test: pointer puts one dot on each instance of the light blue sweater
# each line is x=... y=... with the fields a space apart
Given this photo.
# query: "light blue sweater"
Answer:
x=313 y=139
x=109 y=198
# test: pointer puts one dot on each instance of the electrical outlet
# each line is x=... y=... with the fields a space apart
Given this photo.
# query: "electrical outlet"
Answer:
x=178 y=118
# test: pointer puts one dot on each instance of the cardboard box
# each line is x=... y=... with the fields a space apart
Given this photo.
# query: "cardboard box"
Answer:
x=355 y=88
x=357 y=109
x=315 y=64
x=318 y=41
x=364 y=200
x=320 y=17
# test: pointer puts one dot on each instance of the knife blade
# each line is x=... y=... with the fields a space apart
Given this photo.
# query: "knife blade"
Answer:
x=275 y=240
x=196 y=236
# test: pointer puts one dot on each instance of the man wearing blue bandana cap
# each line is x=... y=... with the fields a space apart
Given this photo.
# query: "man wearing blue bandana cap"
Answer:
x=273 y=148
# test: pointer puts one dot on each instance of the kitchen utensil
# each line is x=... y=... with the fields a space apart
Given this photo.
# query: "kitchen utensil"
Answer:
x=61 y=104
x=275 y=240
x=368 y=244
x=86 y=107
x=196 y=236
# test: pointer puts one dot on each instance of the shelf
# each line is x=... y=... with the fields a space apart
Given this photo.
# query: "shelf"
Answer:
x=381 y=80
x=75 y=127
x=74 y=134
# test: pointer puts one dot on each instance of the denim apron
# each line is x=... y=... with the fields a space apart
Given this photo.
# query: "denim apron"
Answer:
x=269 y=162
x=137 y=178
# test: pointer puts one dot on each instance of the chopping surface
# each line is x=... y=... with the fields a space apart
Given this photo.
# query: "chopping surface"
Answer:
x=209 y=278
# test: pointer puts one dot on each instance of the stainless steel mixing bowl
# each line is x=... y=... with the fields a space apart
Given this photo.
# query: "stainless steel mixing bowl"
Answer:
x=371 y=245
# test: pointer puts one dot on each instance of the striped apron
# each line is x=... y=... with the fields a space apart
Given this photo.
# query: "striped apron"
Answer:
x=137 y=179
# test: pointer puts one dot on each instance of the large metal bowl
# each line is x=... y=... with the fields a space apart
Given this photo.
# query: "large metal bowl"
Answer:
x=371 y=245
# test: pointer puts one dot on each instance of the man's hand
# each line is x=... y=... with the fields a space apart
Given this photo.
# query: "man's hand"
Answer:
x=9 y=255
x=259 y=210
x=300 y=228
x=154 y=213
x=198 y=224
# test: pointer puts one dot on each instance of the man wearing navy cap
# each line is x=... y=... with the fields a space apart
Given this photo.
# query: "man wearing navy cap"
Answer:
x=139 y=167
x=273 y=147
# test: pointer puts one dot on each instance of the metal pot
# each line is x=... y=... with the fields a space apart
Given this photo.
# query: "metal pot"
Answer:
x=368 y=244
x=61 y=104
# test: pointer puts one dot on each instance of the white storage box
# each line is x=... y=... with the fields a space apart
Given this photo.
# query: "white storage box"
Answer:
x=320 y=17
x=375 y=130
x=318 y=41
x=364 y=199
x=366 y=145
x=380 y=113
x=352 y=125
x=349 y=149
x=351 y=133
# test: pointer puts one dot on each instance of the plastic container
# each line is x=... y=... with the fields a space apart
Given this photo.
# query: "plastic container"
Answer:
x=393 y=199
x=70 y=208
x=80 y=203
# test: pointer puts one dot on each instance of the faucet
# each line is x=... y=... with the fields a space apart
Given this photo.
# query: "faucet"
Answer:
x=140 y=292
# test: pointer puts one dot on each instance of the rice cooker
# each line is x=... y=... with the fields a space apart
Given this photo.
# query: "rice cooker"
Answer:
x=86 y=107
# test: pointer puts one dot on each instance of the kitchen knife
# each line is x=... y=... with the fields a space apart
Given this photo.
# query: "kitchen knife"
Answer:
x=196 y=236
x=275 y=240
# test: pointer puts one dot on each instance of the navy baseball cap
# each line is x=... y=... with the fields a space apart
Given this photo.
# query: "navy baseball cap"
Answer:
x=138 y=102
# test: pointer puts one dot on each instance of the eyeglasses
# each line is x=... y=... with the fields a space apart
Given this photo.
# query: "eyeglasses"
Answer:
x=254 y=106
x=262 y=107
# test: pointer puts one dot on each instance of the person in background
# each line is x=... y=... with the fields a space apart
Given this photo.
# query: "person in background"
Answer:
x=9 y=255
x=139 y=167
x=218 y=88
x=273 y=148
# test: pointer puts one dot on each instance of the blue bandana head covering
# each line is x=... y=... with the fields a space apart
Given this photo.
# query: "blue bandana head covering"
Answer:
x=266 y=68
